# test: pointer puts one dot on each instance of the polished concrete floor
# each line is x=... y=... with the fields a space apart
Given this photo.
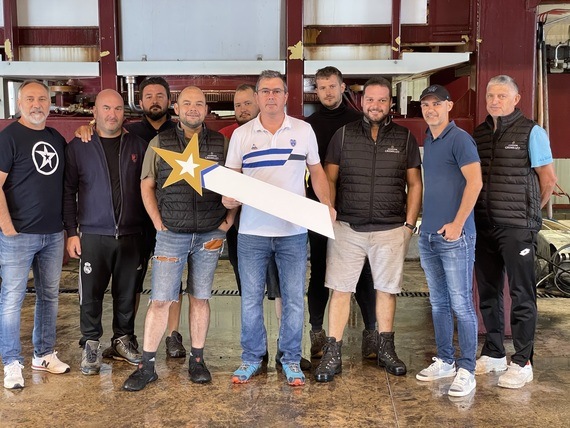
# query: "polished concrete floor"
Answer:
x=363 y=395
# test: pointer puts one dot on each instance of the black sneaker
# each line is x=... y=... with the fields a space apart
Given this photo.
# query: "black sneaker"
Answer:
x=198 y=371
x=140 y=378
x=369 y=344
x=174 y=347
x=331 y=361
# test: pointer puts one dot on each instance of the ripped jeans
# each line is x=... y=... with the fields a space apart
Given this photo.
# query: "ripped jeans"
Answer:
x=172 y=251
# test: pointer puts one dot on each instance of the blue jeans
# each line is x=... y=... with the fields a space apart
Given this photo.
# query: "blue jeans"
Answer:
x=44 y=253
x=173 y=250
x=254 y=253
x=449 y=272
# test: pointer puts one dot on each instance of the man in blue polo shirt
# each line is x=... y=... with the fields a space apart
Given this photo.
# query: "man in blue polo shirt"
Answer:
x=452 y=177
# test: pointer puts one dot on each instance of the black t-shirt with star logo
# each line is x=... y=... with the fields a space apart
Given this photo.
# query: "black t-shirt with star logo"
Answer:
x=34 y=161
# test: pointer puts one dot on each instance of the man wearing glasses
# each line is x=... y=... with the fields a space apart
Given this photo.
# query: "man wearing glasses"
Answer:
x=274 y=148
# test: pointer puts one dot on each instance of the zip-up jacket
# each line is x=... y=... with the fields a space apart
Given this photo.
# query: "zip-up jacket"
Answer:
x=371 y=186
x=510 y=196
x=181 y=208
x=87 y=196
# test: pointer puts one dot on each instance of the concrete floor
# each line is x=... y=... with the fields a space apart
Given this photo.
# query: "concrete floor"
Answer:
x=363 y=395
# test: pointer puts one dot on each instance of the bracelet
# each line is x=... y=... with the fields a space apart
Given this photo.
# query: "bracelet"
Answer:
x=411 y=227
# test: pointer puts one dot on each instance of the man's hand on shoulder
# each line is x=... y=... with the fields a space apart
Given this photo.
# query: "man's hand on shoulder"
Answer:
x=84 y=132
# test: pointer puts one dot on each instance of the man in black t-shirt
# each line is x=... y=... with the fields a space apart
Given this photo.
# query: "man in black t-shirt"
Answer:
x=31 y=178
x=103 y=215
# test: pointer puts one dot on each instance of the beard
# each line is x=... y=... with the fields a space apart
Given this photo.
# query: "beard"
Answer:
x=155 y=114
x=36 y=117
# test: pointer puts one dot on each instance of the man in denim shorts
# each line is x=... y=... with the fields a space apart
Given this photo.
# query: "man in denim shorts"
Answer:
x=370 y=163
x=190 y=228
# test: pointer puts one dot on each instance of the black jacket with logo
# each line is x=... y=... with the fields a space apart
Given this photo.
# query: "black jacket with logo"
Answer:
x=87 y=194
x=510 y=196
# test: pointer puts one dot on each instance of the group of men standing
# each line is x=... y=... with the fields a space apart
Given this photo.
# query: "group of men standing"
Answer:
x=364 y=167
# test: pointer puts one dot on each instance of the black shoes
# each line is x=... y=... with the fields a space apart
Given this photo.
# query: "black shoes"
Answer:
x=331 y=361
x=198 y=372
x=140 y=378
x=387 y=355
x=369 y=344
x=174 y=347
x=317 y=342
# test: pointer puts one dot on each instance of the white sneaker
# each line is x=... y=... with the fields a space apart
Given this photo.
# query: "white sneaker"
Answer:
x=13 y=378
x=49 y=363
x=516 y=376
x=439 y=369
x=463 y=384
x=486 y=364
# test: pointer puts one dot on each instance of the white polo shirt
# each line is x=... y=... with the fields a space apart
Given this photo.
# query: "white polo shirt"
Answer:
x=279 y=159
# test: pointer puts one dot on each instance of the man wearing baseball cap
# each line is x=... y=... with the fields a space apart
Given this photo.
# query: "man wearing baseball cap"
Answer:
x=452 y=181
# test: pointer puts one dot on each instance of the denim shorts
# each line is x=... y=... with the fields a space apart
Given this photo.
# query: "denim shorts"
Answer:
x=386 y=251
x=200 y=250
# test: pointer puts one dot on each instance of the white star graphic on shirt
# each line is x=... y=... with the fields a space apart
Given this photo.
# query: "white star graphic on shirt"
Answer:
x=47 y=157
x=189 y=166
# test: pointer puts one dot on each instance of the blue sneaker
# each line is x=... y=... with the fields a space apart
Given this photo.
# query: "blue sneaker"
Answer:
x=245 y=372
x=293 y=373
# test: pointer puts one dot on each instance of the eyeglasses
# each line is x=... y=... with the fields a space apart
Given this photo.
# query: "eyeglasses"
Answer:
x=267 y=92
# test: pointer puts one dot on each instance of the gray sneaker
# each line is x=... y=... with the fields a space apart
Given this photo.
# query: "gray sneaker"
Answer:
x=125 y=350
x=90 y=358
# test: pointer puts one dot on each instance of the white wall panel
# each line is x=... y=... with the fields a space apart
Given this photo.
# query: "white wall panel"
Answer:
x=362 y=12
x=182 y=30
x=58 y=13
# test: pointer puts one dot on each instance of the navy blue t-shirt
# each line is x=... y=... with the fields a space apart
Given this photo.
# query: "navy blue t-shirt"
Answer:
x=34 y=161
x=443 y=180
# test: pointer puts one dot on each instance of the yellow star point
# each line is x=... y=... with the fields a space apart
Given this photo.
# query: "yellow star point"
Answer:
x=187 y=166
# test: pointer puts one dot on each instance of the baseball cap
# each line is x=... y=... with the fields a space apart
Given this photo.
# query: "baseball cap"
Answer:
x=437 y=91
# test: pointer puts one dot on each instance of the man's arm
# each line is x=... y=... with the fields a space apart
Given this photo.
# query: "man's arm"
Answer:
x=148 y=187
x=547 y=179
x=331 y=171
x=70 y=188
x=473 y=185
x=5 y=220
x=414 y=198
x=321 y=187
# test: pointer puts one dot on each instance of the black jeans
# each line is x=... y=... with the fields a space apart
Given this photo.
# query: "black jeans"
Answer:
x=318 y=294
x=104 y=258
x=511 y=251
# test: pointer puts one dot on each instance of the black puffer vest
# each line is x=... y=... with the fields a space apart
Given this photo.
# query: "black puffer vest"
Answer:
x=182 y=209
x=511 y=193
x=371 y=186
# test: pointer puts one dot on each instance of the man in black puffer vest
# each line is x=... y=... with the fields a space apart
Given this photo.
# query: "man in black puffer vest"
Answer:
x=191 y=229
x=370 y=163
x=518 y=179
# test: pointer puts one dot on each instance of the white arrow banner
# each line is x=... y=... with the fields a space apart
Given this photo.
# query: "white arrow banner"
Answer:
x=268 y=198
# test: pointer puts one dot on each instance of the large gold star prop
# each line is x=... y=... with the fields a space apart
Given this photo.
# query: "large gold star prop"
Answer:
x=187 y=166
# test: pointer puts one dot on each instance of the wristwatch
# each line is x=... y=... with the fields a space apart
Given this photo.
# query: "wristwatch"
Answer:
x=411 y=227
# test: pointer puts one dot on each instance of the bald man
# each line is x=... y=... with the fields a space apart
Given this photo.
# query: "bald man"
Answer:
x=191 y=228
x=103 y=217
